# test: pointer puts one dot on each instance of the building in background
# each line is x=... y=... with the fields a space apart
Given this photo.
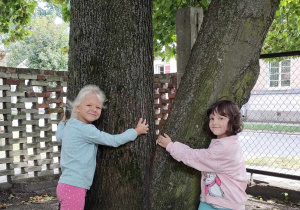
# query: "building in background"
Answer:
x=276 y=95
x=164 y=67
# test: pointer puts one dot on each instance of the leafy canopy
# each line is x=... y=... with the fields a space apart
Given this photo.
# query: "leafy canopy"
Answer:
x=16 y=16
x=283 y=34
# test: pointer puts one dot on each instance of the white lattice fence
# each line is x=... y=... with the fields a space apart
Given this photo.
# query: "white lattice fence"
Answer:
x=31 y=103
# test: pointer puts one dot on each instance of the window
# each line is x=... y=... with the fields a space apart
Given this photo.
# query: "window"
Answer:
x=167 y=68
x=280 y=73
x=161 y=69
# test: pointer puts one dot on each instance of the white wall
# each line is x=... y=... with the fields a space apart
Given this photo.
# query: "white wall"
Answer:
x=273 y=108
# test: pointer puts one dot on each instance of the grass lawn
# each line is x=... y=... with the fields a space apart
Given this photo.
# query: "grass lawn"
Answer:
x=276 y=162
x=272 y=127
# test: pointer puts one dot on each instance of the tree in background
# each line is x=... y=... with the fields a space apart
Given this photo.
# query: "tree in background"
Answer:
x=48 y=9
x=45 y=47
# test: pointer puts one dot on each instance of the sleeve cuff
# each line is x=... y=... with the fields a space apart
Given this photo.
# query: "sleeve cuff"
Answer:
x=135 y=134
x=169 y=146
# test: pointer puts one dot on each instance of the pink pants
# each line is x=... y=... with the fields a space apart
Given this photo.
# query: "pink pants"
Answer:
x=70 y=197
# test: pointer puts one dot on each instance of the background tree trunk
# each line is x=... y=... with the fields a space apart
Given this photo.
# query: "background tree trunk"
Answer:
x=224 y=64
x=111 y=46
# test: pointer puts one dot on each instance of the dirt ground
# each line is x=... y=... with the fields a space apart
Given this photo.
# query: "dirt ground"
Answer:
x=35 y=201
x=255 y=203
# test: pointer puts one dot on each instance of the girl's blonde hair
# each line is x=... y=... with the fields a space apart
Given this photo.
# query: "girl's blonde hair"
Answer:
x=85 y=91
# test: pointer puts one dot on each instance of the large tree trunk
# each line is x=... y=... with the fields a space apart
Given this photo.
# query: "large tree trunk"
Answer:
x=224 y=64
x=111 y=46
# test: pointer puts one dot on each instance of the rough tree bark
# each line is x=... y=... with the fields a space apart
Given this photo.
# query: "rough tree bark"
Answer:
x=111 y=46
x=224 y=64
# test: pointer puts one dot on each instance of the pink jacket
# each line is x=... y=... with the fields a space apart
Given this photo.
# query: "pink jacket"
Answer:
x=224 y=177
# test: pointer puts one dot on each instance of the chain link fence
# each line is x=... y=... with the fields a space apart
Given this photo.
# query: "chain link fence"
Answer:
x=271 y=136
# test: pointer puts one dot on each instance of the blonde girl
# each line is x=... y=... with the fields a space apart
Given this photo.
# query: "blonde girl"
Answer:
x=80 y=139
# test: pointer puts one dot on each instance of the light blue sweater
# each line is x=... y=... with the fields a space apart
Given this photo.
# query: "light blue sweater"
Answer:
x=79 y=149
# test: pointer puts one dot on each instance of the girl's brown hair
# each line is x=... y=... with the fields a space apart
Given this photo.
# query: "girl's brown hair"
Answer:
x=228 y=109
